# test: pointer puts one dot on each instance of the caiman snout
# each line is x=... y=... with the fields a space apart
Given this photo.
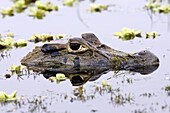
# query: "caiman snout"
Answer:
x=147 y=57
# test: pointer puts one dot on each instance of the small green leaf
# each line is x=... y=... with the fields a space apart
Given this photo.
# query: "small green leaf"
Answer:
x=12 y=67
x=20 y=42
x=60 y=77
x=69 y=3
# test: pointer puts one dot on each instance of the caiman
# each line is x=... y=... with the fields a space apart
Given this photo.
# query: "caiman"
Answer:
x=87 y=54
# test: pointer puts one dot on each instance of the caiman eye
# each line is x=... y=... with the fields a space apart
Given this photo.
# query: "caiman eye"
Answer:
x=75 y=46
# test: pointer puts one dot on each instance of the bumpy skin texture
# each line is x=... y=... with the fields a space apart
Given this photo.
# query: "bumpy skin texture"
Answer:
x=83 y=54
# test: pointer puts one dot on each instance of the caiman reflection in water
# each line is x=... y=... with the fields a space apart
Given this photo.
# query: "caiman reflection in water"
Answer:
x=86 y=58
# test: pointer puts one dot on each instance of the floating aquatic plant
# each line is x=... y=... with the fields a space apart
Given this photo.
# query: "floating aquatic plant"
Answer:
x=69 y=3
x=8 y=11
x=46 y=6
x=5 y=98
x=19 y=6
x=128 y=34
x=97 y=8
x=8 y=42
x=152 y=34
x=39 y=38
x=156 y=7
x=10 y=35
x=60 y=36
x=37 y=13
x=16 y=69
x=163 y=9
x=60 y=77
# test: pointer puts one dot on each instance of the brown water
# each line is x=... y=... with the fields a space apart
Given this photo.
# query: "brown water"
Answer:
x=147 y=92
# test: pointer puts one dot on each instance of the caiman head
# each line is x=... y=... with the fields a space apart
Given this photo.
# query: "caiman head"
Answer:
x=84 y=54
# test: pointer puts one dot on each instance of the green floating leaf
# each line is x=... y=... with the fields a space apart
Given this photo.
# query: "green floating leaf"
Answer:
x=37 y=13
x=5 y=97
x=10 y=35
x=156 y=7
x=39 y=38
x=19 y=6
x=46 y=6
x=128 y=34
x=16 y=69
x=61 y=36
x=70 y=3
x=60 y=77
x=152 y=34
x=97 y=8
x=8 y=11
x=20 y=43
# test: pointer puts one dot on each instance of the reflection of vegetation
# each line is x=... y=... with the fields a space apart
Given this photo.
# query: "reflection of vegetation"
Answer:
x=97 y=8
x=5 y=98
x=129 y=34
